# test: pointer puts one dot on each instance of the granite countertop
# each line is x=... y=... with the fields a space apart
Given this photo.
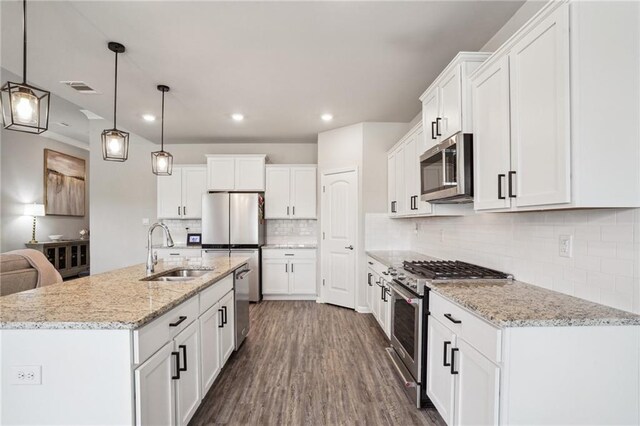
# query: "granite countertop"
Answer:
x=517 y=304
x=112 y=300
x=290 y=246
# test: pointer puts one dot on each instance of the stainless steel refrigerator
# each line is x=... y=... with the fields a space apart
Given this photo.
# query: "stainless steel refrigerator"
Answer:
x=233 y=223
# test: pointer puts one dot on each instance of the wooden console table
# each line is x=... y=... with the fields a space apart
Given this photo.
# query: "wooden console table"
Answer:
x=69 y=257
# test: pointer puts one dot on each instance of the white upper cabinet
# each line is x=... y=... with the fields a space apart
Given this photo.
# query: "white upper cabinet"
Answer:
x=544 y=119
x=290 y=192
x=540 y=131
x=491 y=145
x=180 y=195
x=430 y=114
x=236 y=172
x=449 y=122
x=391 y=184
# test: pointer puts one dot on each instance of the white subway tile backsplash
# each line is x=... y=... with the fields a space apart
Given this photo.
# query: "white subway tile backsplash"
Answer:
x=286 y=231
x=604 y=268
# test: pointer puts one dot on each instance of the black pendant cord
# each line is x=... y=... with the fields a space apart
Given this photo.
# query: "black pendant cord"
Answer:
x=162 y=126
x=24 y=41
x=115 y=94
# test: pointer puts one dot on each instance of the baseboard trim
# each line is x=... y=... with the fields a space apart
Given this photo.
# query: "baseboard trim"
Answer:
x=363 y=310
x=289 y=297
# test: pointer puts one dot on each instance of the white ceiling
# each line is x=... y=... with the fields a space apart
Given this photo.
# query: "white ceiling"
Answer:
x=282 y=64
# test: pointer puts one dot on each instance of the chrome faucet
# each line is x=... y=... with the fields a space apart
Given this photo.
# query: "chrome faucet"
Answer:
x=151 y=259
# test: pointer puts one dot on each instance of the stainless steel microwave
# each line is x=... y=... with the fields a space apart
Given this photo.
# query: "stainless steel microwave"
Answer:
x=446 y=171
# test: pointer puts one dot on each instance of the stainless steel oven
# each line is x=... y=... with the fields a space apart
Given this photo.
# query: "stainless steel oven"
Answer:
x=446 y=171
x=408 y=322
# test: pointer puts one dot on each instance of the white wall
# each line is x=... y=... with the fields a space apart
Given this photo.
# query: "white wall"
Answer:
x=122 y=194
x=277 y=153
x=522 y=15
x=22 y=181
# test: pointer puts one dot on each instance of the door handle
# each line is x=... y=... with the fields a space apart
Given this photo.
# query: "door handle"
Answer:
x=433 y=135
x=224 y=315
x=184 y=210
x=452 y=319
x=183 y=348
x=178 y=210
x=369 y=275
x=221 y=317
x=349 y=247
x=287 y=210
x=292 y=267
x=293 y=210
x=511 y=193
x=453 y=361
x=444 y=355
x=500 y=179
x=438 y=126
x=177 y=355
x=286 y=267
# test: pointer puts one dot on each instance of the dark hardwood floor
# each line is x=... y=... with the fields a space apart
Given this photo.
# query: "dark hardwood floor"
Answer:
x=309 y=363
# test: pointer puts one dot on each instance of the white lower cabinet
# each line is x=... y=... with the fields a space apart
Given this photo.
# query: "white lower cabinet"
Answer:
x=379 y=294
x=197 y=338
x=155 y=390
x=289 y=274
x=188 y=390
x=440 y=381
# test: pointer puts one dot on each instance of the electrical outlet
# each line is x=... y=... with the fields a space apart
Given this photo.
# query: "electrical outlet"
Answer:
x=565 y=245
x=26 y=375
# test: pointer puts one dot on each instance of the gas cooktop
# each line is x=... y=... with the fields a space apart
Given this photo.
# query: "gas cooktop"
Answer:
x=415 y=274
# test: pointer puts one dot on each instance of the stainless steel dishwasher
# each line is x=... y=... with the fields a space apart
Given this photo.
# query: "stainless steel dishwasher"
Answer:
x=242 y=277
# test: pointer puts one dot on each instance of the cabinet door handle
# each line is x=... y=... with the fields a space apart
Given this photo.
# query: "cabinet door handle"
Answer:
x=181 y=318
x=287 y=210
x=293 y=210
x=453 y=360
x=393 y=207
x=452 y=319
x=500 y=179
x=177 y=365
x=224 y=315
x=369 y=275
x=292 y=267
x=444 y=355
x=370 y=263
x=438 y=126
x=183 y=348
x=511 y=193
x=433 y=133
x=184 y=210
x=286 y=267
x=178 y=210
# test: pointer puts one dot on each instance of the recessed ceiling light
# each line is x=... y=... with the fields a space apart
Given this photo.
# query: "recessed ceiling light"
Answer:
x=149 y=117
x=237 y=117
x=326 y=117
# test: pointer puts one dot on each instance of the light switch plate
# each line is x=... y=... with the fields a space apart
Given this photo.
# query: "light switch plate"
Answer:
x=565 y=245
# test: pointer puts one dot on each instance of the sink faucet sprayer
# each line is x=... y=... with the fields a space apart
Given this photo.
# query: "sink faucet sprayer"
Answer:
x=151 y=259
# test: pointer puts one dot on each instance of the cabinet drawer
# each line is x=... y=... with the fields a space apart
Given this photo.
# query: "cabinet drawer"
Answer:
x=169 y=253
x=288 y=254
x=151 y=337
x=475 y=331
x=212 y=294
x=377 y=267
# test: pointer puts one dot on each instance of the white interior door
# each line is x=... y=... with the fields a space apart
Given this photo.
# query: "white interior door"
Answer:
x=339 y=227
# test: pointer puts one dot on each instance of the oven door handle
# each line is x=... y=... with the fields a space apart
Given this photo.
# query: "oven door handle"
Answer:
x=409 y=298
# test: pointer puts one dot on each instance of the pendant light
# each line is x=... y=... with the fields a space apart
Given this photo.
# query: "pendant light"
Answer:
x=25 y=108
x=115 y=143
x=162 y=161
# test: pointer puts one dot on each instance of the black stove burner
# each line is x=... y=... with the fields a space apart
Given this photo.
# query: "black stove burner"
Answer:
x=450 y=270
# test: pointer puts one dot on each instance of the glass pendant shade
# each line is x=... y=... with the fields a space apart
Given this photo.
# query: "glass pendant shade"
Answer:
x=161 y=163
x=25 y=108
x=115 y=145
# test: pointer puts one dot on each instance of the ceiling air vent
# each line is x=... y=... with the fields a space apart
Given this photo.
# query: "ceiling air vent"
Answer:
x=80 y=86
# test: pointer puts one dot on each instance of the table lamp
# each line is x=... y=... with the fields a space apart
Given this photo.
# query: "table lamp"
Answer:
x=34 y=210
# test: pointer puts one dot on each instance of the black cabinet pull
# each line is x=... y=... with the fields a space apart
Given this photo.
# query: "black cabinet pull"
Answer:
x=177 y=323
x=500 y=179
x=370 y=263
x=452 y=319
x=293 y=211
x=184 y=210
x=444 y=355
x=393 y=207
x=224 y=315
x=511 y=193
x=381 y=292
x=433 y=135
x=177 y=355
x=183 y=348
x=221 y=324
x=178 y=210
x=369 y=275
x=438 y=126
x=287 y=210
x=453 y=360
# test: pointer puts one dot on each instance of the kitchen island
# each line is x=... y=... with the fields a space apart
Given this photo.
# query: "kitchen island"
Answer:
x=119 y=347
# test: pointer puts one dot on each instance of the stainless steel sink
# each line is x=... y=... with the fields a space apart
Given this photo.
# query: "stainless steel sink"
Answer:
x=179 y=275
